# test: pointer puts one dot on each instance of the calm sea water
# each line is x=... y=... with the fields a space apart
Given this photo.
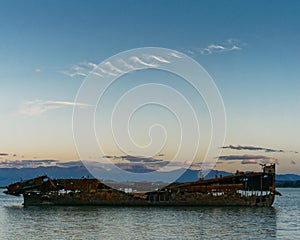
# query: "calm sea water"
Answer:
x=279 y=222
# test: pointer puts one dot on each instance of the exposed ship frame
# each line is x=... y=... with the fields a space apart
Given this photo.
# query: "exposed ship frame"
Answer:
x=240 y=189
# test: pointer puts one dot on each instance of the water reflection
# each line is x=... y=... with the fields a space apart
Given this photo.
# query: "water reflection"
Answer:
x=140 y=222
x=280 y=221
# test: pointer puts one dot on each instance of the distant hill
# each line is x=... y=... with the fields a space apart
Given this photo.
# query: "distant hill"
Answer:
x=10 y=175
x=288 y=180
x=287 y=177
x=193 y=175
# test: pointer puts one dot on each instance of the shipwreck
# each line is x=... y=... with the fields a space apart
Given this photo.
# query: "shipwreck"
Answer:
x=240 y=189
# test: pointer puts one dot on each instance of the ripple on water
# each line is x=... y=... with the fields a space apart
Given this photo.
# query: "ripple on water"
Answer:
x=280 y=221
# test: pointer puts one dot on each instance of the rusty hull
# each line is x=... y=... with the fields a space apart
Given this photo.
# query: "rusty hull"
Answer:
x=241 y=189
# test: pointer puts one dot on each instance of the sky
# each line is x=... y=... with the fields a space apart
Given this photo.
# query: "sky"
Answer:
x=250 y=49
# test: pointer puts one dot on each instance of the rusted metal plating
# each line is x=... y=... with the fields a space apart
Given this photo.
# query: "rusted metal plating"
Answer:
x=251 y=189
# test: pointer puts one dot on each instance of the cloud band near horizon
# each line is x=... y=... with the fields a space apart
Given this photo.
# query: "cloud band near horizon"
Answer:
x=254 y=148
x=38 y=107
x=249 y=159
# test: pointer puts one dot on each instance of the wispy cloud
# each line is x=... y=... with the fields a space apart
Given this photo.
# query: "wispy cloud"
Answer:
x=136 y=159
x=34 y=163
x=159 y=59
x=37 y=107
x=69 y=164
x=203 y=165
x=125 y=64
x=176 y=55
x=26 y=163
x=227 y=46
x=138 y=60
x=113 y=68
x=249 y=161
x=139 y=159
x=254 y=148
x=77 y=70
x=119 y=66
x=128 y=162
x=251 y=148
x=246 y=159
x=241 y=157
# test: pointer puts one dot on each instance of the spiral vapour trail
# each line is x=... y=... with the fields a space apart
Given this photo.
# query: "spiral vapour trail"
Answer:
x=89 y=143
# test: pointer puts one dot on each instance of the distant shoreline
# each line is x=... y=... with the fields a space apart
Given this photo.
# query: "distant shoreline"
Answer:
x=288 y=184
x=279 y=184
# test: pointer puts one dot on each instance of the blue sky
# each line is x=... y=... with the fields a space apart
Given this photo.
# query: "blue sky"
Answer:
x=251 y=50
